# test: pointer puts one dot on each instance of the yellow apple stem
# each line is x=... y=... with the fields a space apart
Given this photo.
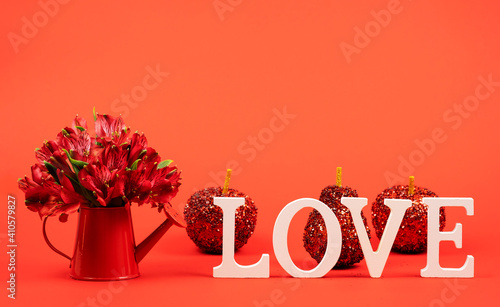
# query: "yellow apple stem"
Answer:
x=339 y=176
x=226 y=182
x=411 y=186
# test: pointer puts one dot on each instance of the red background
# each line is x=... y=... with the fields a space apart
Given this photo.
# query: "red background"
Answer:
x=228 y=73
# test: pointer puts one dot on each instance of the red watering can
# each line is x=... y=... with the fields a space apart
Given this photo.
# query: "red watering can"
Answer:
x=105 y=246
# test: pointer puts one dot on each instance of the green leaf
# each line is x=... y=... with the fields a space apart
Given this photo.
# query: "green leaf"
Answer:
x=80 y=128
x=134 y=165
x=65 y=133
x=52 y=170
x=142 y=153
x=95 y=116
x=77 y=186
x=67 y=153
x=78 y=163
x=74 y=162
x=164 y=163
x=74 y=181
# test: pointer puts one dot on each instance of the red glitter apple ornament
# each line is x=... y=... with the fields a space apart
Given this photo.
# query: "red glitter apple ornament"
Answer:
x=204 y=219
x=315 y=235
x=412 y=234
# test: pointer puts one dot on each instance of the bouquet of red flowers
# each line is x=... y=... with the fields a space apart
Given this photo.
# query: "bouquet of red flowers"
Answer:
x=108 y=170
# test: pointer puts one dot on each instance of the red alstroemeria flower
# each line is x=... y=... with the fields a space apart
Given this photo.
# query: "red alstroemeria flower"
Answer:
x=113 y=156
x=76 y=142
x=152 y=183
x=42 y=199
x=78 y=123
x=45 y=196
x=104 y=184
x=137 y=148
x=165 y=184
x=52 y=153
x=109 y=169
x=48 y=148
x=110 y=128
x=39 y=173
x=71 y=198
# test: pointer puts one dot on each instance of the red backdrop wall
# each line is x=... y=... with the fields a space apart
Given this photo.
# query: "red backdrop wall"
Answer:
x=281 y=91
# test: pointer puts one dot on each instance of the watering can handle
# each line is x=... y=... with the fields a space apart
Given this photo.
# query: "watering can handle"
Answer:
x=48 y=242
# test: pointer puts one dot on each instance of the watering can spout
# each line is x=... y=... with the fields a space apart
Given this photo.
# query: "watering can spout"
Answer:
x=145 y=246
x=173 y=217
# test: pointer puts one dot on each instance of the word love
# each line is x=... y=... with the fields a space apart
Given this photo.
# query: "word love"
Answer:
x=375 y=260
